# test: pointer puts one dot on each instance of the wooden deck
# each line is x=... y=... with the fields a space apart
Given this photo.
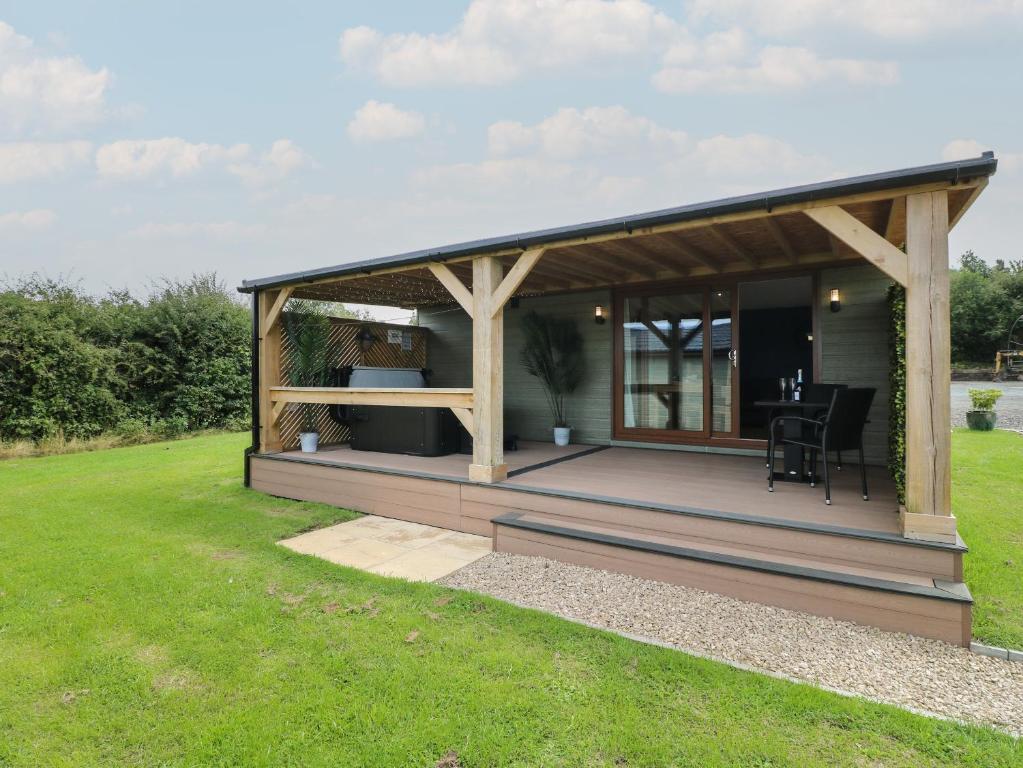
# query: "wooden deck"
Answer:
x=699 y=519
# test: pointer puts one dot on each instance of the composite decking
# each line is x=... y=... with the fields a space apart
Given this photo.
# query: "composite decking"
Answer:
x=699 y=519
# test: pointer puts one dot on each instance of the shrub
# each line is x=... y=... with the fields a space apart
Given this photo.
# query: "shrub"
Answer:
x=984 y=399
x=78 y=366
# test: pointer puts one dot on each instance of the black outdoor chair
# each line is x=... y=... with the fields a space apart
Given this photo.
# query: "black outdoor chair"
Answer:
x=812 y=393
x=840 y=429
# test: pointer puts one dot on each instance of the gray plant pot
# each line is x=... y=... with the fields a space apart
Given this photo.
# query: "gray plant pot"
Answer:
x=983 y=421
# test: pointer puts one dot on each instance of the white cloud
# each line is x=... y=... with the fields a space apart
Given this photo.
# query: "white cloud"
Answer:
x=143 y=158
x=21 y=161
x=606 y=159
x=724 y=62
x=283 y=157
x=381 y=121
x=497 y=41
x=965 y=149
x=226 y=230
x=573 y=132
x=49 y=92
x=901 y=19
x=34 y=220
x=173 y=157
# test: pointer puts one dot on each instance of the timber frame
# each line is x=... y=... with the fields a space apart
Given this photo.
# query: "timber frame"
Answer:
x=897 y=221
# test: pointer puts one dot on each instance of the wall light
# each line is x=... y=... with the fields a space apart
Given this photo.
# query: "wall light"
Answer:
x=598 y=315
x=836 y=300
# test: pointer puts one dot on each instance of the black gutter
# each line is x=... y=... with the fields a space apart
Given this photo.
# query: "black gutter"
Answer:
x=952 y=173
x=254 y=448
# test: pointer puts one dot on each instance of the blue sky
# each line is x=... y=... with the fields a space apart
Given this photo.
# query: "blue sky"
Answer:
x=140 y=140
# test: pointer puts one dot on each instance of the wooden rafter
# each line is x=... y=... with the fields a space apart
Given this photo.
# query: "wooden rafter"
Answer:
x=776 y=232
x=970 y=200
x=732 y=245
x=895 y=212
x=692 y=252
x=643 y=254
x=862 y=239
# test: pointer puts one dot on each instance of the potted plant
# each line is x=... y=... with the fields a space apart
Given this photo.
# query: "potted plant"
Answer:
x=307 y=326
x=983 y=415
x=553 y=352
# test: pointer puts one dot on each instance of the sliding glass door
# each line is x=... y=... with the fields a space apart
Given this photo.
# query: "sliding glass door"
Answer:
x=675 y=365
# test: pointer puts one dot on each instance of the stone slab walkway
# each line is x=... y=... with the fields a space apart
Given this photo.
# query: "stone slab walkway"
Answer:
x=390 y=547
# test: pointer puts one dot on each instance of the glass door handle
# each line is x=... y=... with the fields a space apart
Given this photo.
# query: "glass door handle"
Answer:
x=733 y=355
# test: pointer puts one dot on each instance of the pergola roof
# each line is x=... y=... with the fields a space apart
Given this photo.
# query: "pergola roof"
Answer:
x=748 y=233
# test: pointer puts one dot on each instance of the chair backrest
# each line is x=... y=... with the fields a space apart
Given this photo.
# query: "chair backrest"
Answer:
x=847 y=416
x=820 y=393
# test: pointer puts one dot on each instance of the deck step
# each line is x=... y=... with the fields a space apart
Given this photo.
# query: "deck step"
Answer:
x=750 y=535
x=929 y=607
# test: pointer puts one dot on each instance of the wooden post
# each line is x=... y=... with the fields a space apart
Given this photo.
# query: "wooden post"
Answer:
x=269 y=368
x=487 y=373
x=928 y=511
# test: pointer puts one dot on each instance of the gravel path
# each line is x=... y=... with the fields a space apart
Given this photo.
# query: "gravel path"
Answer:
x=1009 y=408
x=923 y=675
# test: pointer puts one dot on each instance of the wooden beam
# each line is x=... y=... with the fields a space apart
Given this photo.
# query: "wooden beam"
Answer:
x=895 y=213
x=862 y=239
x=455 y=286
x=274 y=312
x=422 y=397
x=691 y=252
x=859 y=197
x=928 y=370
x=465 y=416
x=269 y=369
x=970 y=200
x=653 y=266
x=732 y=245
x=487 y=374
x=775 y=230
x=511 y=282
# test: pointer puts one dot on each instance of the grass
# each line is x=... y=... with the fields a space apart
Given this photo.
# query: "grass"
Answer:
x=147 y=618
x=987 y=499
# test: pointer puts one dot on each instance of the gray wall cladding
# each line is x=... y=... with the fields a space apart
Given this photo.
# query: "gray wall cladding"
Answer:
x=449 y=354
x=855 y=343
x=854 y=351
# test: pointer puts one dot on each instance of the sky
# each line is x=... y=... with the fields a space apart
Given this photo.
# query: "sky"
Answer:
x=148 y=140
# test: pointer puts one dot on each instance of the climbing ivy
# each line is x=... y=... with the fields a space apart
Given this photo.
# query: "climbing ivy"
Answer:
x=897 y=387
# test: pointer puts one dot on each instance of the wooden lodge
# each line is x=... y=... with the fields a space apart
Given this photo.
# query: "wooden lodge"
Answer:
x=689 y=316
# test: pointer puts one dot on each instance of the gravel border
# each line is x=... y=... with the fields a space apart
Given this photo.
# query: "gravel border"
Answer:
x=924 y=676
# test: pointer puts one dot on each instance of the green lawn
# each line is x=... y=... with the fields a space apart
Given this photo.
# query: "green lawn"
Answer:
x=147 y=618
x=987 y=498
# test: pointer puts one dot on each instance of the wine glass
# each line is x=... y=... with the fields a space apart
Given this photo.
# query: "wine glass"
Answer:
x=781 y=383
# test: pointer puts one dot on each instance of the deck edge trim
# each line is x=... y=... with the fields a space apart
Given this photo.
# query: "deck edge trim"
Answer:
x=948 y=593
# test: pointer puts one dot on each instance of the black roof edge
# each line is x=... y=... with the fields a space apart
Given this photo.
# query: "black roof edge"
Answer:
x=952 y=172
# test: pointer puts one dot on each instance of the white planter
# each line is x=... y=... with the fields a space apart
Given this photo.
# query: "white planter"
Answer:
x=562 y=435
x=309 y=441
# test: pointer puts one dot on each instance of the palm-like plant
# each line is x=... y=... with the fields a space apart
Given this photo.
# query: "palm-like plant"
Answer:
x=553 y=352
x=307 y=326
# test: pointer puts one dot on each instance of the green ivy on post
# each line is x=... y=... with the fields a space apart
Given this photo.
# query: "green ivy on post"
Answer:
x=897 y=388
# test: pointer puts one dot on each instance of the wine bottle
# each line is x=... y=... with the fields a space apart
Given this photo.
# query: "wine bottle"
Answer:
x=797 y=391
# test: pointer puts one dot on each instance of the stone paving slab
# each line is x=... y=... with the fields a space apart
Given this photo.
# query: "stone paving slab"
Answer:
x=391 y=547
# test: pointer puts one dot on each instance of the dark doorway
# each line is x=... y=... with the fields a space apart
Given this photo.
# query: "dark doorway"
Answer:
x=775 y=341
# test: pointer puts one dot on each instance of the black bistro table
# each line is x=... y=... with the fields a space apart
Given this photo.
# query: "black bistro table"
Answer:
x=795 y=458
